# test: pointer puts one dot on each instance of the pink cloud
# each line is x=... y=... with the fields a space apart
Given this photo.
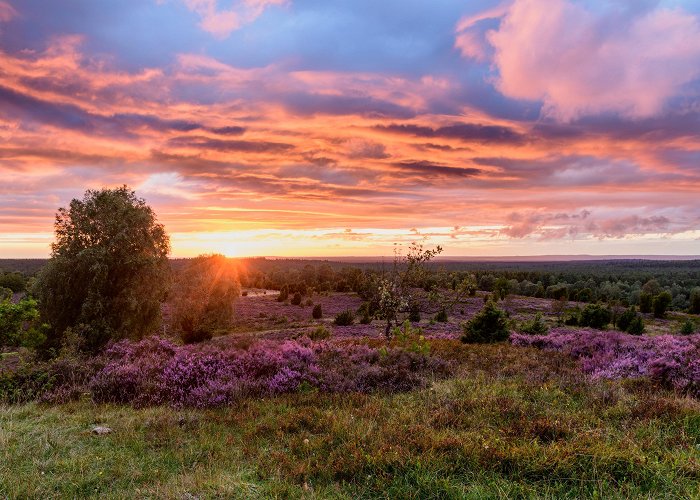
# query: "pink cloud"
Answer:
x=222 y=22
x=7 y=12
x=581 y=62
x=470 y=39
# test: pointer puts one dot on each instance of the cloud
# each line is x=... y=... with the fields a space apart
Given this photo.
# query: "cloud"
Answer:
x=551 y=226
x=430 y=169
x=221 y=146
x=7 y=12
x=625 y=58
x=364 y=149
x=222 y=22
x=210 y=144
x=470 y=33
x=468 y=132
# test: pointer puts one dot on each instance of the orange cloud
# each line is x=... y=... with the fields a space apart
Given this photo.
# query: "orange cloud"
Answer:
x=311 y=153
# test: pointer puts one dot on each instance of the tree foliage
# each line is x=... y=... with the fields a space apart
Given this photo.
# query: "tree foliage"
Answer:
x=108 y=270
x=392 y=293
x=20 y=324
x=488 y=325
x=595 y=316
x=202 y=297
x=694 y=301
x=661 y=303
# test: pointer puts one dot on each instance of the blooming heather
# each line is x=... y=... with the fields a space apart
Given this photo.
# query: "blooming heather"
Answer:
x=155 y=371
x=673 y=361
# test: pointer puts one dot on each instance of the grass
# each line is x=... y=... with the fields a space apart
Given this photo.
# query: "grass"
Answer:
x=515 y=422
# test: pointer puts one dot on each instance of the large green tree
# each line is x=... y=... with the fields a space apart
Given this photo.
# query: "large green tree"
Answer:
x=108 y=271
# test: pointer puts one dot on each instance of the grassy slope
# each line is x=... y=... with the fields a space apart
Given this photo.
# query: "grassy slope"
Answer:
x=515 y=422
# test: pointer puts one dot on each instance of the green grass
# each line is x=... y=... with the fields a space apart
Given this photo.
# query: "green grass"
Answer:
x=513 y=423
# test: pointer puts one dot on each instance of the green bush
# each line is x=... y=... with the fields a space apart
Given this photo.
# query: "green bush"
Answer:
x=534 y=326
x=636 y=326
x=489 y=325
x=345 y=318
x=14 y=281
x=284 y=294
x=320 y=333
x=411 y=339
x=573 y=317
x=694 y=301
x=688 y=327
x=631 y=322
x=20 y=325
x=595 y=316
x=441 y=316
x=661 y=303
x=645 y=302
x=317 y=312
x=625 y=319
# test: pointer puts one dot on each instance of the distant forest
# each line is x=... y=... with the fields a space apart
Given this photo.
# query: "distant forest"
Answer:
x=614 y=281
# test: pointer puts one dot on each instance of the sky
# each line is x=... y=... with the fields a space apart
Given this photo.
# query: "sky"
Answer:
x=344 y=127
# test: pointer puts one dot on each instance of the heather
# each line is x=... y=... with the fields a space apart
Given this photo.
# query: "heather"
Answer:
x=670 y=360
x=157 y=371
x=516 y=423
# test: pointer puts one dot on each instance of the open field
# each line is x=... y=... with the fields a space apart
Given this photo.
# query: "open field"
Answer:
x=504 y=421
x=513 y=422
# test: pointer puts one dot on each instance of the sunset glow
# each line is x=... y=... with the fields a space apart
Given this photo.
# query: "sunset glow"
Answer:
x=316 y=128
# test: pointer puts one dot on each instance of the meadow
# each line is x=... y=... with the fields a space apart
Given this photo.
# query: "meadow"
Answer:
x=268 y=409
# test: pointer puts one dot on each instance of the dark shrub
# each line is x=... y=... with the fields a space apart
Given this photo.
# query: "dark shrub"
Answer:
x=661 y=303
x=284 y=294
x=196 y=334
x=414 y=313
x=296 y=299
x=584 y=295
x=441 y=316
x=535 y=326
x=14 y=281
x=244 y=293
x=345 y=318
x=573 y=317
x=636 y=326
x=625 y=319
x=631 y=322
x=366 y=319
x=317 y=312
x=694 y=301
x=688 y=327
x=595 y=316
x=501 y=288
x=489 y=325
x=558 y=292
x=645 y=302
